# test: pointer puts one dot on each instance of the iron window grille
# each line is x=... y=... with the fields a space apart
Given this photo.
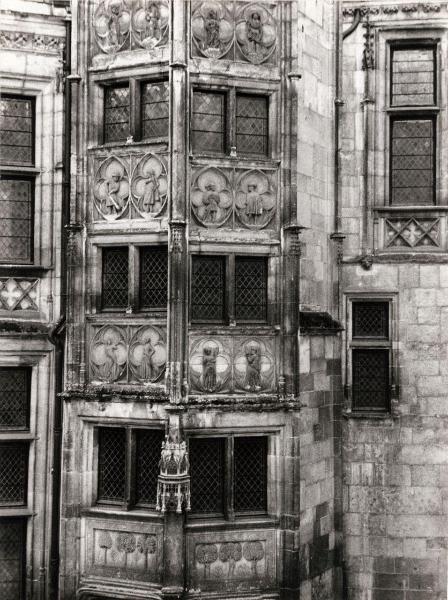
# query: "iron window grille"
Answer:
x=371 y=356
x=12 y=558
x=229 y=289
x=15 y=387
x=17 y=151
x=13 y=473
x=137 y=110
x=230 y=121
x=413 y=124
x=128 y=466
x=134 y=277
x=228 y=475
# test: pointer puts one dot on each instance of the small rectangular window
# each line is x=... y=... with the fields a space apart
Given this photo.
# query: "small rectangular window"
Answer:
x=207 y=470
x=12 y=558
x=16 y=219
x=413 y=76
x=250 y=288
x=209 y=121
x=370 y=319
x=116 y=113
x=153 y=277
x=115 y=278
x=208 y=288
x=155 y=109
x=251 y=124
x=16 y=130
x=15 y=385
x=13 y=473
x=250 y=474
x=111 y=464
x=148 y=445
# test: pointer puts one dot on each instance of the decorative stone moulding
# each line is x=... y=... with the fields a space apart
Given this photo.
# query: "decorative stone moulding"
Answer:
x=120 y=354
x=234 y=31
x=141 y=195
x=407 y=9
x=18 y=294
x=173 y=486
x=412 y=232
x=21 y=40
x=226 y=198
x=129 y=24
x=232 y=365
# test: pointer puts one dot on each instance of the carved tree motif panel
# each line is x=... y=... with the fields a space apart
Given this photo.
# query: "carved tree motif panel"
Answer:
x=18 y=294
x=127 y=354
x=125 y=25
x=233 y=198
x=232 y=561
x=412 y=232
x=232 y=365
x=234 y=31
x=123 y=550
x=132 y=186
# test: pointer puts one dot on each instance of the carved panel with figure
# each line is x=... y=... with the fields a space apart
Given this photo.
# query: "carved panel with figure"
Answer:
x=211 y=197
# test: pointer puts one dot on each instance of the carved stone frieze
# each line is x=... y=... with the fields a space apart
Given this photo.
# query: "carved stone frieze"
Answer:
x=111 y=188
x=407 y=9
x=233 y=199
x=24 y=40
x=18 y=294
x=122 y=24
x=149 y=186
x=127 y=354
x=232 y=365
x=234 y=31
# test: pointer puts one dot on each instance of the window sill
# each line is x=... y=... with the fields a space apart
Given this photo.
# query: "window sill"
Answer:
x=133 y=144
x=196 y=523
x=23 y=270
x=21 y=511
x=111 y=512
x=383 y=416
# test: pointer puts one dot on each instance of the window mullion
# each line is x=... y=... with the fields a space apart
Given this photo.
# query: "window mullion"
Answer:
x=231 y=122
x=130 y=469
x=133 y=278
x=230 y=286
x=229 y=506
x=133 y=99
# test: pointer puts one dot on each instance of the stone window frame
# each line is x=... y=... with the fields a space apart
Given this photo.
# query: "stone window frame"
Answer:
x=229 y=288
x=133 y=276
x=135 y=82
x=391 y=344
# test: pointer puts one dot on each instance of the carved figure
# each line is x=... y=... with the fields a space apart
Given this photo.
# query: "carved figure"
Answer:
x=147 y=365
x=111 y=368
x=254 y=202
x=111 y=190
x=210 y=198
x=254 y=31
x=253 y=379
x=153 y=22
x=212 y=30
x=211 y=202
x=114 y=31
x=150 y=23
x=206 y=554
x=253 y=552
x=113 y=205
x=147 y=354
x=149 y=186
x=152 y=193
x=209 y=368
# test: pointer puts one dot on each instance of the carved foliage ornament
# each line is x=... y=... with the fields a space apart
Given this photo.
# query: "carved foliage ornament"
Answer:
x=411 y=8
x=230 y=562
x=121 y=355
x=216 y=28
x=21 y=40
x=123 y=24
x=125 y=551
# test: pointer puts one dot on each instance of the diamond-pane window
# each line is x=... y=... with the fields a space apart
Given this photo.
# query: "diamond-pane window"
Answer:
x=208 y=122
x=250 y=289
x=251 y=124
x=412 y=161
x=116 y=114
x=111 y=464
x=12 y=558
x=16 y=131
x=148 y=448
x=153 y=277
x=13 y=473
x=207 y=288
x=371 y=319
x=250 y=473
x=155 y=110
x=413 y=76
x=16 y=219
x=370 y=387
x=115 y=278
x=207 y=460
x=14 y=397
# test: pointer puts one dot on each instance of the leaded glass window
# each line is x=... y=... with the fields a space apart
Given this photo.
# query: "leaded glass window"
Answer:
x=13 y=473
x=115 y=277
x=209 y=121
x=16 y=131
x=153 y=277
x=149 y=443
x=116 y=113
x=371 y=319
x=16 y=219
x=207 y=288
x=207 y=460
x=14 y=397
x=250 y=473
x=251 y=124
x=155 y=109
x=413 y=76
x=12 y=558
x=111 y=464
x=250 y=289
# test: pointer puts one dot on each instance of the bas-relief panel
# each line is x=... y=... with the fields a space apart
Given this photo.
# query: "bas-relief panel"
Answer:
x=234 y=561
x=227 y=365
x=234 y=31
x=120 y=25
x=127 y=354
x=126 y=551
x=233 y=198
x=19 y=294
x=129 y=187
x=413 y=232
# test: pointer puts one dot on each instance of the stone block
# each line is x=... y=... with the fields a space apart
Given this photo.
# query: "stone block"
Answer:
x=429 y=276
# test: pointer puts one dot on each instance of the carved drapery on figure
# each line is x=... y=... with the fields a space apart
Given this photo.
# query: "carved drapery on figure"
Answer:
x=255 y=201
x=111 y=189
x=211 y=198
x=212 y=28
x=149 y=186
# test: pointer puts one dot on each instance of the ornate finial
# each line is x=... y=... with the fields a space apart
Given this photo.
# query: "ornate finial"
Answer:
x=173 y=487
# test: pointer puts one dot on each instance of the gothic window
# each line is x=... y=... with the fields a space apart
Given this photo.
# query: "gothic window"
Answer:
x=17 y=142
x=14 y=398
x=413 y=124
x=12 y=558
x=128 y=466
x=227 y=120
x=228 y=475
x=136 y=109
x=232 y=288
x=153 y=277
x=370 y=356
x=115 y=286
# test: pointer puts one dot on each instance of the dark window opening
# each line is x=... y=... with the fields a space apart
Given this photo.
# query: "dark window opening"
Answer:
x=13 y=473
x=115 y=276
x=153 y=277
x=250 y=289
x=15 y=387
x=209 y=122
x=208 y=288
x=116 y=114
x=251 y=125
